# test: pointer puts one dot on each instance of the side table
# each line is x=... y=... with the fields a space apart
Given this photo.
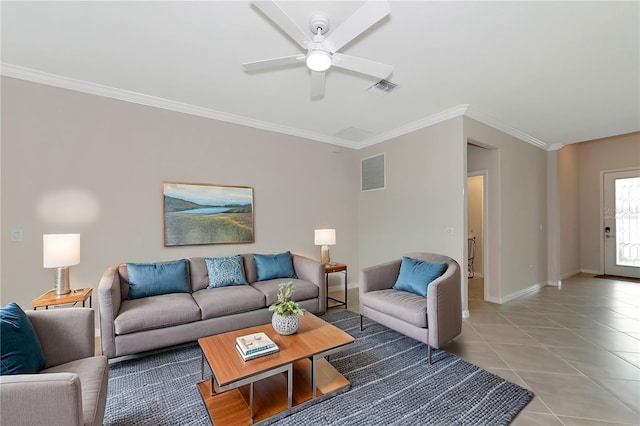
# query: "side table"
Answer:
x=50 y=298
x=330 y=269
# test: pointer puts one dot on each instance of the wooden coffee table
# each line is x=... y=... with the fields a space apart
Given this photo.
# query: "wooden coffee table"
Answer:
x=242 y=393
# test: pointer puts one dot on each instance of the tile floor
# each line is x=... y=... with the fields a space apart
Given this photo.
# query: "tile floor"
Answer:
x=577 y=347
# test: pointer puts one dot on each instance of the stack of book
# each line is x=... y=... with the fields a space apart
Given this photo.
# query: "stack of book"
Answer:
x=255 y=345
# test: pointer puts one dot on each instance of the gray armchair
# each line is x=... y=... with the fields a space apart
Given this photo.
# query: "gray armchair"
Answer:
x=434 y=320
x=72 y=388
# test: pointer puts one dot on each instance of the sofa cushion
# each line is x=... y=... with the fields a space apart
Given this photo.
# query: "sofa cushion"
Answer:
x=152 y=279
x=20 y=350
x=416 y=275
x=270 y=266
x=156 y=312
x=198 y=273
x=302 y=290
x=408 y=307
x=221 y=301
x=225 y=271
x=93 y=374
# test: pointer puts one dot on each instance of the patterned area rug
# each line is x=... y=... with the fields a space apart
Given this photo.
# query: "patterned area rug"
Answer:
x=391 y=384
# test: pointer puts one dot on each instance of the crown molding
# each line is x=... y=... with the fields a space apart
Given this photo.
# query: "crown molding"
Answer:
x=491 y=121
x=36 y=76
x=447 y=114
x=22 y=73
x=555 y=147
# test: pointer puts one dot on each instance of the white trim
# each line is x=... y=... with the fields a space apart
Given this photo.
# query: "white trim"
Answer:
x=569 y=274
x=340 y=287
x=557 y=283
x=445 y=115
x=465 y=314
x=35 y=76
x=23 y=73
x=517 y=294
x=503 y=127
x=591 y=271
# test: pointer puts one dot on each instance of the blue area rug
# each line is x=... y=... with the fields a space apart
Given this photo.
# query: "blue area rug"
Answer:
x=391 y=384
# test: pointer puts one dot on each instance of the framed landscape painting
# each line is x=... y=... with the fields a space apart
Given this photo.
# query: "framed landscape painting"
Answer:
x=199 y=213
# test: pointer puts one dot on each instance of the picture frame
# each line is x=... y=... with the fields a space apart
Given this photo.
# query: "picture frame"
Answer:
x=202 y=213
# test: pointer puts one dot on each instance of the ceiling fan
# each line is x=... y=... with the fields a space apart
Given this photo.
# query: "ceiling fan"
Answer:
x=322 y=52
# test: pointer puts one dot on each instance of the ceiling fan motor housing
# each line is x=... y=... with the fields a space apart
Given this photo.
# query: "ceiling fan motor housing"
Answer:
x=319 y=23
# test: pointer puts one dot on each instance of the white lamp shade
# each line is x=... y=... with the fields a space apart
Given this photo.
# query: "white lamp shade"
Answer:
x=318 y=60
x=325 y=237
x=60 y=250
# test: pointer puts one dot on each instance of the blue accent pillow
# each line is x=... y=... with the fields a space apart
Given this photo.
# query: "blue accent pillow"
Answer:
x=416 y=275
x=271 y=266
x=20 y=350
x=152 y=279
x=225 y=271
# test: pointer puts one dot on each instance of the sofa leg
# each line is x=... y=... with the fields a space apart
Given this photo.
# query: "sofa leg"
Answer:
x=361 y=322
x=429 y=354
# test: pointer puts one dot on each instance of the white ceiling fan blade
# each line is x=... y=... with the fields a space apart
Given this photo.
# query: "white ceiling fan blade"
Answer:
x=363 y=66
x=317 y=84
x=363 y=18
x=281 y=19
x=274 y=63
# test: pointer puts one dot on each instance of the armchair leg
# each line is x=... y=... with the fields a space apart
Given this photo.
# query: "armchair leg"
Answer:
x=361 y=322
x=429 y=354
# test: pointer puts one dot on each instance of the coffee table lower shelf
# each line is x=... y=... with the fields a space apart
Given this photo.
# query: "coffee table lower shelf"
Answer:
x=270 y=394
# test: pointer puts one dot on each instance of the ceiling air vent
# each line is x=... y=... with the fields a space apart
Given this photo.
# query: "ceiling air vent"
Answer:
x=372 y=173
x=382 y=87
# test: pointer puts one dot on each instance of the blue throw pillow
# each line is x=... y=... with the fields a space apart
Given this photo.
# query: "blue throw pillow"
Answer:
x=152 y=279
x=416 y=275
x=20 y=350
x=225 y=271
x=271 y=266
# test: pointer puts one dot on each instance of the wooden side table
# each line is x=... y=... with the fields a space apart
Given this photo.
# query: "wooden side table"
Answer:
x=330 y=269
x=50 y=298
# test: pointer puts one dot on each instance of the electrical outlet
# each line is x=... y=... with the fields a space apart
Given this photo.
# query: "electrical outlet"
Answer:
x=16 y=235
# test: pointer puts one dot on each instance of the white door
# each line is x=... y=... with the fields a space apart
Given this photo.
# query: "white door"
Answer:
x=621 y=228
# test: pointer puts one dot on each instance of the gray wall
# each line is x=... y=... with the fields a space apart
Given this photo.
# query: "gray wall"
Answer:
x=594 y=157
x=517 y=210
x=105 y=160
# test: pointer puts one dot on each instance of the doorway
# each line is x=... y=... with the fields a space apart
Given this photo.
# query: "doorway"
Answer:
x=621 y=223
x=475 y=239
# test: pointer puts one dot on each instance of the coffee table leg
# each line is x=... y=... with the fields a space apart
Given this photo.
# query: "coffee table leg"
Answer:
x=251 y=403
x=313 y=377
x=290 y=386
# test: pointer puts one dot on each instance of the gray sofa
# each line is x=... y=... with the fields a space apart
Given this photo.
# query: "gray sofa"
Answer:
x=138 y=325
x=434 y=320
x=72 y=388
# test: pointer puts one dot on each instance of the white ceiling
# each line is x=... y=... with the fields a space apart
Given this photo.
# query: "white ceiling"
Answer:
x=551 y=73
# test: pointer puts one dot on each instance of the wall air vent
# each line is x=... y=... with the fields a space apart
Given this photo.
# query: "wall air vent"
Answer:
x=372 y=173
x=383 y=87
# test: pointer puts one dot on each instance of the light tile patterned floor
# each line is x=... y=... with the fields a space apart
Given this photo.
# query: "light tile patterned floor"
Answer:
x=577 y=347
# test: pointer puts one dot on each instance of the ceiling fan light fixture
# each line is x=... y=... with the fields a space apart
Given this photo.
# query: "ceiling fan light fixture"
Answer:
x=318 y=60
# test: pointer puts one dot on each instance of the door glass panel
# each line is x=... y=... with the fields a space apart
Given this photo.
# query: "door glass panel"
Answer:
x=627 y=221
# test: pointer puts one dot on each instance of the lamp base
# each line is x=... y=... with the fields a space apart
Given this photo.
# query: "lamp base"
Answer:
x=324 y=255
x=62 y=280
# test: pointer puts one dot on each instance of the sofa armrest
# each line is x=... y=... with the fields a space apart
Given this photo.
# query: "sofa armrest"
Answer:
x=312 y=271
x=379 y=277
x=41 y=399
x=65 y=334
x=109 y=298
x=444 y=306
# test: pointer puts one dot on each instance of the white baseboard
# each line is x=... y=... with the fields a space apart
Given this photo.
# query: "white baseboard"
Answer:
x=465 y=314
x=590 y=271
x=509 y=297
x=569 y=274
x=555 y=283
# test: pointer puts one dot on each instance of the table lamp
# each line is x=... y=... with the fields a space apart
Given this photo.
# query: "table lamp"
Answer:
x=325 y=238
x=61 y=251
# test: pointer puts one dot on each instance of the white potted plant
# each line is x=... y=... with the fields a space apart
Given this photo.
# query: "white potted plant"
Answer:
x=285 y=311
